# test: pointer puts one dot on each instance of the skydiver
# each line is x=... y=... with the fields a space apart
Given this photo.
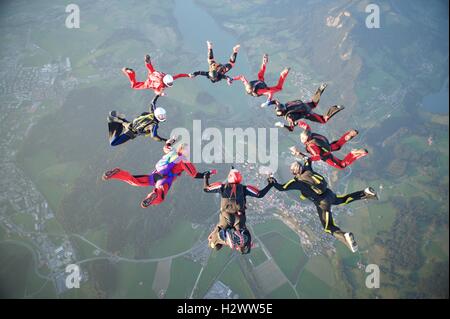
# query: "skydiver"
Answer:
x=217 y=71
x=314 y=187
x=232 y=209
x=259 y=87
x=156 y=81
x=168 y=168
x=296 y=110
x=121 y=130
x=321 y=149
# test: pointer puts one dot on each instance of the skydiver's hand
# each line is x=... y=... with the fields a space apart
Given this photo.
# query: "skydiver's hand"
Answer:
x=209 y=44
x=172 y=140
x=265 y=104
x=147 y=59
x=191 y=75
x=229 y=81
x=236 y=48
x=271 y=180
x=296 y=152
x=279 y=124
x=167 y=148
x=265 y=58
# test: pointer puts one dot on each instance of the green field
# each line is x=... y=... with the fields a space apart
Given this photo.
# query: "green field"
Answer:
x=183 y=274
x=311 y=287
x=180 y=239
x=213 y=269
x=288 y=255
x=283 y=292
x=134 y=280
x=275 y=225
x=257 y=257
x=17 y=275
x=234 y=278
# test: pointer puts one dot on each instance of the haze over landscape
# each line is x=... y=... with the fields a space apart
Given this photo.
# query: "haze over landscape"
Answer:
x=57 y=86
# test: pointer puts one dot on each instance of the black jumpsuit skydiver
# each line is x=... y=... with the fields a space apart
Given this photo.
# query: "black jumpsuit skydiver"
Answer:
x=121 y=130
x=314 y=187
x=297 y=110
x=218 y=70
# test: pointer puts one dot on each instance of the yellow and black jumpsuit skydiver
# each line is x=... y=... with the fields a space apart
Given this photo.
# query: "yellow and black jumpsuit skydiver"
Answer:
x=313 y=186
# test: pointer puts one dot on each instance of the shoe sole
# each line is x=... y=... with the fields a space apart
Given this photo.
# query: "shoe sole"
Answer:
x=107 y=175
x=350 y=236
x=148 y=201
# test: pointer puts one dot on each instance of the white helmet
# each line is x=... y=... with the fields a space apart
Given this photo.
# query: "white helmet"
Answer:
x=160 y=114
x=168 y=80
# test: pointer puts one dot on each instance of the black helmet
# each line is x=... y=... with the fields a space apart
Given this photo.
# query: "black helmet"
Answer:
x=281 y=109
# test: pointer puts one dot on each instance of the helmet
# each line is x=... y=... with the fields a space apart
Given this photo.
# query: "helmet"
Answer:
x=213 y=74
x=280 y=109
x=296 y=168
x=168 y=80
x=234 y=176
x=160 y=114
x=304 y=136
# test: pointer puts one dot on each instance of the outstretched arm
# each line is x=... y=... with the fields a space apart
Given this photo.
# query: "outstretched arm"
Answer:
x=212 y=188
x=154 y=134
x=189 y=168
x=241 y=78
x=252 y=191
x=202 y=73
x=180 y=75
x=153 y=103
x=289 y=185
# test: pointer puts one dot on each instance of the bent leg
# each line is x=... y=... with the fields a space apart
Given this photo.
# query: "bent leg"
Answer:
x=335 y=162
x=336 y=145
x=328 y=223
x=233 y=58
x=134 y=180
x=131 y=75
x=261 y=72
x=156 y=197
x=283 y=76
x=316 y=117
x=318 y=94
x=348 y=198
x=210 y=56
x=352 y=157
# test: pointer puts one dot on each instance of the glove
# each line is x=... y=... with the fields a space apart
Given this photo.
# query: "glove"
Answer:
x=172 y=140
x=229 y=81
x=263 y=105
x=296 y=152
x=191 y=75
x=279 y=124
x=147 y=58
x=271 y=180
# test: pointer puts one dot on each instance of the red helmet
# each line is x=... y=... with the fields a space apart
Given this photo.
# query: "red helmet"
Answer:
x=234 y=176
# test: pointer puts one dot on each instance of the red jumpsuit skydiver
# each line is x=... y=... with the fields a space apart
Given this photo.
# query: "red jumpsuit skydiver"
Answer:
x=259 y=87
x=321 y=149
x=171 y=165
x=154 y=78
